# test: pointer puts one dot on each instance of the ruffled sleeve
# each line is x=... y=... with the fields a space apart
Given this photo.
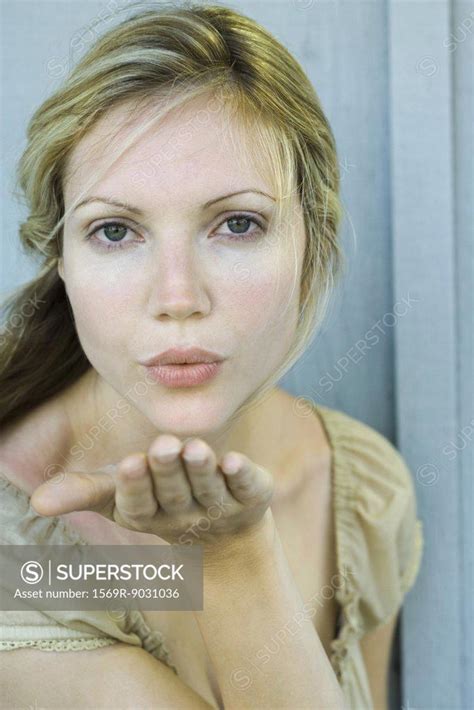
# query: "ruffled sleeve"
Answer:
x=379 y=538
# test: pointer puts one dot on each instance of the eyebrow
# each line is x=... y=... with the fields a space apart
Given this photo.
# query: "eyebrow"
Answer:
x=136 y=210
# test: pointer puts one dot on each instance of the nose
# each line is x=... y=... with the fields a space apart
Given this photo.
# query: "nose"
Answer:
x=178 y=284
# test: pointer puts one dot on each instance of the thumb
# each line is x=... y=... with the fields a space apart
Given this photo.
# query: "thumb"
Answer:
x=73 y=491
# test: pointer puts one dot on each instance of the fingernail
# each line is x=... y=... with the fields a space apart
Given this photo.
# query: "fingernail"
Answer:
x=166 y=454
x=232 y=464
x=197 y=454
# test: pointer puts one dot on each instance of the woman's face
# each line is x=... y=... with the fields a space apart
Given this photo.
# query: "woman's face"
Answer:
x=175 y=272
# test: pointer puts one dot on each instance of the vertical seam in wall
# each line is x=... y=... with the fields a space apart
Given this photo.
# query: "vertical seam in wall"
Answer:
x=392 y=270
x=393 y=287
x=457 y=326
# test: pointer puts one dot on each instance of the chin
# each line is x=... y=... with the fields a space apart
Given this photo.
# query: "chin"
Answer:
x=188 y=416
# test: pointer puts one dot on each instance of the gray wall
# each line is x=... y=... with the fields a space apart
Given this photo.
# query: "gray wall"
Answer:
x=395 y=79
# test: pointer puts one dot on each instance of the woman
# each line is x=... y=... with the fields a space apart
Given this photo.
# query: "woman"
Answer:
x=183 y=191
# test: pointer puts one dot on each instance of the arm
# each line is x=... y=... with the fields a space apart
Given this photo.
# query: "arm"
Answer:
x=118 y=676
x=250 y=601
x=250 y=596
x=376 y=650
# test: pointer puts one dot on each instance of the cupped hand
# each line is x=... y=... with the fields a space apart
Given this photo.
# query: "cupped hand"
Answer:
x=176 y=491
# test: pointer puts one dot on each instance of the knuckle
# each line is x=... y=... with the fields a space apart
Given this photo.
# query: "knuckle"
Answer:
x=207 y=495
x=177 y=500
x=95 y=492
x=246 y=488
x=266 y=495
x=251 y=492
x=167 y=469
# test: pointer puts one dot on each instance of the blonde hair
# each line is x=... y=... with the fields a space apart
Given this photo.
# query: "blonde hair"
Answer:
x=174 y=53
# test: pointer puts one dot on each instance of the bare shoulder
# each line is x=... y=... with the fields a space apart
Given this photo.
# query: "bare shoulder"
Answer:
x=119 y=675
x=29 y=445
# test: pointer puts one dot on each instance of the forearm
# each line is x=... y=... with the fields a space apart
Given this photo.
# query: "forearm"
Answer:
x=265 y=650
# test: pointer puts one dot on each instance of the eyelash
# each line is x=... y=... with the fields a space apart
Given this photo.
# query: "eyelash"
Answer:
x=112 y=246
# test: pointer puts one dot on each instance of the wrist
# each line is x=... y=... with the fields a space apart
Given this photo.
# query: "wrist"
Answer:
x=242 y=552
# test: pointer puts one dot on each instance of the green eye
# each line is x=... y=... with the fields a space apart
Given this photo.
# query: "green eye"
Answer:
x=114 y=233
x=239 y=226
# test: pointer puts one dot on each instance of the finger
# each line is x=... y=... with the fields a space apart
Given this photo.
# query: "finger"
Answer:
x=207 y=482
x=170 y=483
x=76 y=491
x=135 y=495
x=248 y=483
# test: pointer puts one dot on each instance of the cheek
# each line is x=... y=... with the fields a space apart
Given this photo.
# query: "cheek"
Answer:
x=99 y=303
x=262 y=298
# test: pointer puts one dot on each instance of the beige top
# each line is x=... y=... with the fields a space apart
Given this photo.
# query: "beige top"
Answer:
x=379 y=543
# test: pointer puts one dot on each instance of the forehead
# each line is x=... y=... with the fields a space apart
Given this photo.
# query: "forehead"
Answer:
x=197 y=149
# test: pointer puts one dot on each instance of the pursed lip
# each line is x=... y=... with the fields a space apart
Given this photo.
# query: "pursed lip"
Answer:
x=181 y=356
